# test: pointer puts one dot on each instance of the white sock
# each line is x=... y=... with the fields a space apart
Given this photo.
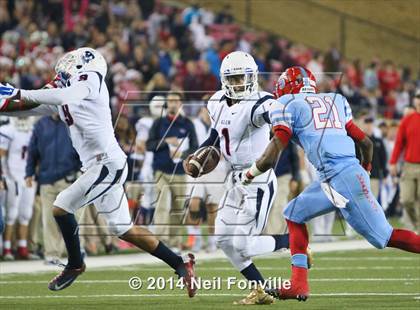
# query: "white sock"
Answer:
x=196 y=230
x=212 y=241
x=190 y=230
x=22 y=243
x=7 y=244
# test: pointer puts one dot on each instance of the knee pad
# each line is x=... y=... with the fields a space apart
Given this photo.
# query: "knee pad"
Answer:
x=25 y=215
x=241 y=244
x=223 y=241
x=11 y=215
x=23 y=220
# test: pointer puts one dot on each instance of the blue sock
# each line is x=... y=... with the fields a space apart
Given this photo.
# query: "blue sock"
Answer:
x=175 y=261
x=70 y=231
x=251 y=273
x=300 y=260
x=282 y=241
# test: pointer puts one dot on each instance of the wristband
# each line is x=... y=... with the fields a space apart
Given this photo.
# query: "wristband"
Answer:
x=254 y=171
x=3 y=104
x=368 y=166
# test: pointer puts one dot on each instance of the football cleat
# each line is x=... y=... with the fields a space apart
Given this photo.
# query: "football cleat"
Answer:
x=65 y=278
x=7 y=255
x=298 y=291
x=189 y=278
x=256 y=297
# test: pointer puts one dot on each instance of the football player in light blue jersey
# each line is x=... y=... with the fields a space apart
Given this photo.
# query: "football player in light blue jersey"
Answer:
x=321 y=123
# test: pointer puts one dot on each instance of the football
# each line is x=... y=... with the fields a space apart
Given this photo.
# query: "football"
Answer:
x=203 y=161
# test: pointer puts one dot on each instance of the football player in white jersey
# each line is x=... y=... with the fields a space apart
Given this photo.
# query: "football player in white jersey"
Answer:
x=240 y=127
x=207 y=189
x=143 y=125
x=14 y=140
x=83 y=104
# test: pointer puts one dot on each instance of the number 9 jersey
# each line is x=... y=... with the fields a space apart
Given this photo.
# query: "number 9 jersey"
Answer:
x=243 y=128
x=317 y=122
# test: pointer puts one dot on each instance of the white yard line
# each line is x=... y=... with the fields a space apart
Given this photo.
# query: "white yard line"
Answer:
x=225 y=280
x=417 y=295
x=315 y=268
x=125 y=262
x=142 y=258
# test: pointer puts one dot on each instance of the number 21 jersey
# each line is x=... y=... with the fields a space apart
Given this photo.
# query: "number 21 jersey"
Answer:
x=317 y=123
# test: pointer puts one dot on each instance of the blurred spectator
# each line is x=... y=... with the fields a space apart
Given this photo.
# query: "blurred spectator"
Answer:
x=332 y=60
x=143 y=126
x=370 y=77
x=53 y=174
x=171 y=139
x=191 y=13
x=379 y=161
x=224 y=16
x=407 y=141
x=389 y=78
x=157 y=86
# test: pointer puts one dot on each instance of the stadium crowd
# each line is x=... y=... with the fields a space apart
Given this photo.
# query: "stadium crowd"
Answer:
x=152 y=48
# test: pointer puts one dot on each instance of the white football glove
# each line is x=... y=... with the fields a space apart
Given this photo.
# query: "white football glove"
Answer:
x=246 y=177
x=243 y=177
x=7 y=91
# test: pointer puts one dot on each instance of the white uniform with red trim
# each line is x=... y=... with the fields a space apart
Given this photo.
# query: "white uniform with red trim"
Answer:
x=20 y=198
x=84 y=107
x=244 y=133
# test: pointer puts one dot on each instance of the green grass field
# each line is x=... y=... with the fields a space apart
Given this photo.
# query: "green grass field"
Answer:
x=339 y=280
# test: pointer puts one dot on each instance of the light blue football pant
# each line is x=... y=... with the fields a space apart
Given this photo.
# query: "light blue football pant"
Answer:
x=362 y=212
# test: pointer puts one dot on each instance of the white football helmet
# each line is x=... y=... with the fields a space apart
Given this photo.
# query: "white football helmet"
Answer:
x=239 y=75
x=82 y=59
x=22 y=124
x=157 y=106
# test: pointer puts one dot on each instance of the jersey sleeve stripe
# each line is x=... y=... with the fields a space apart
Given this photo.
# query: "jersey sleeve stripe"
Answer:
x=257 y=104
x=5 y=136
x=277 y=122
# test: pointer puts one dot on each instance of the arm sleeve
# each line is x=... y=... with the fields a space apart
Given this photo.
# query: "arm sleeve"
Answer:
x=354 y=132
x=383 y=159
x=193 y=143
x=38 y=111
x=294 y=162
x=86 y=86
x=212 y=140
x=347 y=111
x=260 y=111
x=155 y=143
x=281 y=117
x=5 y=137
x=399 y=144
x=33 y=154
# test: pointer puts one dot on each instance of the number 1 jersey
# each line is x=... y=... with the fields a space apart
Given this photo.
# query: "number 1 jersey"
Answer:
x=243 y=128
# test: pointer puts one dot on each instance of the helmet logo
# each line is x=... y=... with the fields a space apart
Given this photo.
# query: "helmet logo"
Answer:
x=88 y=56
